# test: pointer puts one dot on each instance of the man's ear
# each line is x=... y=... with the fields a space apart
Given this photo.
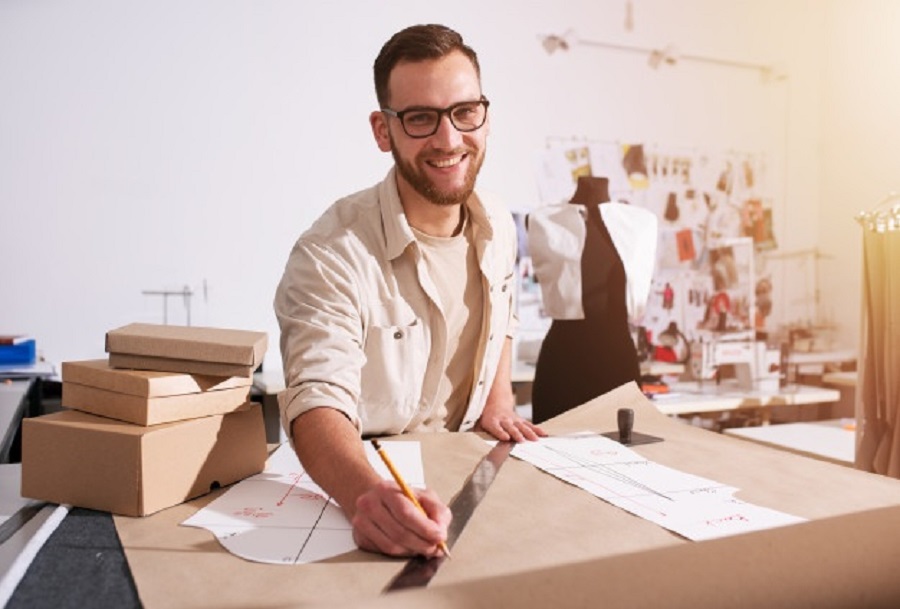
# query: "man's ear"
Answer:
x=378 y=121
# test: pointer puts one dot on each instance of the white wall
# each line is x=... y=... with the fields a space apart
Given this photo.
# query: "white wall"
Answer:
x=156 y=145
x=860 y=157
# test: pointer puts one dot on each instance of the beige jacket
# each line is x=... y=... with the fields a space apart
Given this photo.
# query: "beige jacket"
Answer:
x=361 y=330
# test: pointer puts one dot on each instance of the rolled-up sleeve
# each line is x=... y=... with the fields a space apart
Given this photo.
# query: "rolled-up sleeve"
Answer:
x=317 y=307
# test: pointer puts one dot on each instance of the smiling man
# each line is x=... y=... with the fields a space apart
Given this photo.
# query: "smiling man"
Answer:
x=396 y=306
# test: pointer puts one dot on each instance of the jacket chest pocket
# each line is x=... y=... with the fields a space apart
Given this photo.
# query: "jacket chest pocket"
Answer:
x=391 y=381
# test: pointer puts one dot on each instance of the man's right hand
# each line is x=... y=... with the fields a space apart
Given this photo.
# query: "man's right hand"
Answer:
x=383 y=518
x=387 y=521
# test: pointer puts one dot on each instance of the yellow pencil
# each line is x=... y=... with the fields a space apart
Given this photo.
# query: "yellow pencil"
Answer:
x=404 y=487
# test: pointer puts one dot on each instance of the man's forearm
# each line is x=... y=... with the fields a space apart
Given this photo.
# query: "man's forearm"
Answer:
x=331 y=452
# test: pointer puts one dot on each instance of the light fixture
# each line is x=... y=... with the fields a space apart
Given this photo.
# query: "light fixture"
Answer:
x=773 y=73
x=668 y=55
x=553 y=43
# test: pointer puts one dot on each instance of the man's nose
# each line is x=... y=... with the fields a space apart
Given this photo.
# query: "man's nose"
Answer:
x=447 y=135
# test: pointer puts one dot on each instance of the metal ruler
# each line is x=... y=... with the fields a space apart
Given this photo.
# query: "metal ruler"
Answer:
x=418 y=571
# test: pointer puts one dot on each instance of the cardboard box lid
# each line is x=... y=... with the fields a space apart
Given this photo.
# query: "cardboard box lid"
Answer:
x=127 y=361
x=145 y=383
x=230 y=346
x=83 y=421
x=143 y=410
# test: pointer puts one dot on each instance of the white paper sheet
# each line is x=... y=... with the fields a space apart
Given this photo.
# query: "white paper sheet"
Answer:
x=281 y=516
x=694 y=507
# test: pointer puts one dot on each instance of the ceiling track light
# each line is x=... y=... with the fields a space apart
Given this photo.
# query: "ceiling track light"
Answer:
x=657 y=57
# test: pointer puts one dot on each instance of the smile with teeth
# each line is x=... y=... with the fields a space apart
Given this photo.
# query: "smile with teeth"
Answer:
x=444 y=163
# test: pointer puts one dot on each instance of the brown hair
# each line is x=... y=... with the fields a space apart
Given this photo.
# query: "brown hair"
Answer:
x=417 y=43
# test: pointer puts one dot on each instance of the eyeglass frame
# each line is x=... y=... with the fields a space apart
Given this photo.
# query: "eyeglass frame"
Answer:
x=399 y=114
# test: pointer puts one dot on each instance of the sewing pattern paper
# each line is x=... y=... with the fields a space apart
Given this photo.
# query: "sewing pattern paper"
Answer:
x=694 y=507
x=280 y=516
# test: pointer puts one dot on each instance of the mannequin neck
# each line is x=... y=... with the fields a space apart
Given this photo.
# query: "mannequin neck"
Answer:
x=591 y=190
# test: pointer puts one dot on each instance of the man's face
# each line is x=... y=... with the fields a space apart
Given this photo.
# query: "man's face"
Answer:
x=443 y=167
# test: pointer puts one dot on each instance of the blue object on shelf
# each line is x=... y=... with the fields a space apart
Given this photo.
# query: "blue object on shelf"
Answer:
x=22 y=352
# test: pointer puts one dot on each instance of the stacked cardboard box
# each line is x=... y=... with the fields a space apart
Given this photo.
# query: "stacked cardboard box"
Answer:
x=169 y=422
x=148 y=397
x=213 y=351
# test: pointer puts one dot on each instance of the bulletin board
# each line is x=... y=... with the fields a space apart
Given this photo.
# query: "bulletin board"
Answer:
x=715 y=221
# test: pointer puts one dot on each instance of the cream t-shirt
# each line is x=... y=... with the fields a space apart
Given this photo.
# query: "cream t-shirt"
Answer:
x=452 y=265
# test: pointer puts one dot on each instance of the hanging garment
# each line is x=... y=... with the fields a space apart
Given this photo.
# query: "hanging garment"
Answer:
x=878 y=378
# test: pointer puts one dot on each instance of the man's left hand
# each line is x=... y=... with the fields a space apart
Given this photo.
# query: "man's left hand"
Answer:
x=505 y=424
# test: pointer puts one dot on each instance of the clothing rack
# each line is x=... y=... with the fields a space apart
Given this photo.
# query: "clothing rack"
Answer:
x=881 y=218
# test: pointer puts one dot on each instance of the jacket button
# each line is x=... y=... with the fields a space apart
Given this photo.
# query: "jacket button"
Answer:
x=398 y=334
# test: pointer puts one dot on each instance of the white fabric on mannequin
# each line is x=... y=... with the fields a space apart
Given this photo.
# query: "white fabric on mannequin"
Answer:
x=556 y=236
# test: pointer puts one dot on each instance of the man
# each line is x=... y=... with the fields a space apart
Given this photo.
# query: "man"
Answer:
x=396 y=305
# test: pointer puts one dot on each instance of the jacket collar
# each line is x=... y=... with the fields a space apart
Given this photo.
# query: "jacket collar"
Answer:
x=397 y=233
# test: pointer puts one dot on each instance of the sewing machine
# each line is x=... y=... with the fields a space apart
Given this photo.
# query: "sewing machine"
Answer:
x=756 y=366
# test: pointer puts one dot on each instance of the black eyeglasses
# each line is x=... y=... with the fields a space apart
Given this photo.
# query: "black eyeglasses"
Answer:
x=424 y=122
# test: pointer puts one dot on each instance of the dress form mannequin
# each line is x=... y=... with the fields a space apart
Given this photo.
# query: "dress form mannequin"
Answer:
x=581 y=359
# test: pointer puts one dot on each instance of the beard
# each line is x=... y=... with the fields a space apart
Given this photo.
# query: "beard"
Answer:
x=425 y=187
